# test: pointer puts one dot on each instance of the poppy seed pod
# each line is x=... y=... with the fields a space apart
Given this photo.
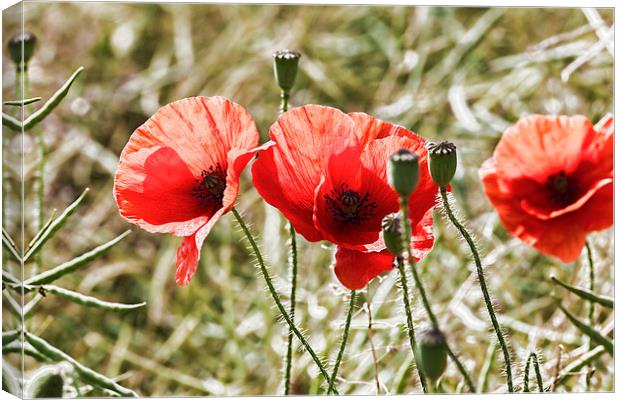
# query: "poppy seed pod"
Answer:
x=442 y=162
x=46 y=382
x=432 y=354
x=392 y=233
x=285 y=68
x=403 y=171
x=29 y=40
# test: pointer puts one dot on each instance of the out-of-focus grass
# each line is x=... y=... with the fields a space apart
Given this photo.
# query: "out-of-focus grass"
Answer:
x=457 y=73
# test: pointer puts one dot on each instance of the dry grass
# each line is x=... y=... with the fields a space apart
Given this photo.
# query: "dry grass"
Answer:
x=462 y=74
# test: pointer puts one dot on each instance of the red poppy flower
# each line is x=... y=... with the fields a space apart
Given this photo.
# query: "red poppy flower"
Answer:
x=179 y=172
x=326 y=171
x=551 y=181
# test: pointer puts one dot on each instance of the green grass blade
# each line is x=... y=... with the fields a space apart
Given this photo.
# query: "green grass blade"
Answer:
x=43 y=229
x=9 y=336
x=586 y=294
x=70 y=266
x=21 y=103
x=87 y=374
x=9 y=279
x=54 y=226
x=9 y=245
x=88 y=300
x=11 y=122
x=591 y=332
x=29 y=307
x=53 y=101
x=28 y=350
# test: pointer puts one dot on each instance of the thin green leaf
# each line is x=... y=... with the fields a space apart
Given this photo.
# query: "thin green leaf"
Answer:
x=14 y=308
x=28 y=350
x=9 y=279
x=591 y=332
x=44 y=228
x=29 y=307
x=9 y=336
x=87 y=374
x=55 y=226
x=53 y=101
x=21 y=103
x=11 y=122
x=88 y=300
x=586 y=294
x=9 y=245
x=70 y=266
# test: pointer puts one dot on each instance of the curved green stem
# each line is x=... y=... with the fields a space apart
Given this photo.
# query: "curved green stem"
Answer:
x=591 y=282
x=410 y=330
x=533 y=358
x=276 y=297
x=425 y=302
x=293 y=273
x=343 y=342
x=483 y=286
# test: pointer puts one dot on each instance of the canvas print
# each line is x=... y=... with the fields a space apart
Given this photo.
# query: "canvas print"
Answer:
x=241 y=200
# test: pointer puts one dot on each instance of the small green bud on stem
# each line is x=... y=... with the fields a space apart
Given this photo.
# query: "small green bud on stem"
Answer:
x=442 y=162
x=46 y=382
x=26 y=39
x=403 y=171
x=392 y=233
x=285 y=68
x=432 y=353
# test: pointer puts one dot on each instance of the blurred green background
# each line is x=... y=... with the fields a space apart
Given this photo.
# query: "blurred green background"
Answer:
x=463 y=74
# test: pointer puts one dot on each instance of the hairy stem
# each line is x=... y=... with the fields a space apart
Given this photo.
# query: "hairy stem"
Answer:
x=425 y=302
x=372 y=344
x=483 y=286
x=591 y=304
x=276 y=297
x=293 y=277
x=533 y=358
x=410 y=330
x=343 y=342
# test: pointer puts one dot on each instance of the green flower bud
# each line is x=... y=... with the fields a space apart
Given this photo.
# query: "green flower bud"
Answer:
x=285 y=68
x=46 y=382
x=28 y=40
x=432 y=353
x=442 y=162
x=392 y=233
x=403 y=171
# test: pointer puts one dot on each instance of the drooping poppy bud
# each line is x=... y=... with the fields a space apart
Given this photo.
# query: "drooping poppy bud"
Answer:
x=392 y=233
x=442 y=162
x=432 y=354
x=28 y=40
x=285 y=68
x=403 y=171
x=46 y=382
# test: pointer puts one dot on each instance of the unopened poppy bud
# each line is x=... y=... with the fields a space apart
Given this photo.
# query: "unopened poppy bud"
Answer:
x=403 y=171
x=442 y=162
x=285 y=68
x=392 y=233
x=432 y=353
x=29 y=40
x=46 y=382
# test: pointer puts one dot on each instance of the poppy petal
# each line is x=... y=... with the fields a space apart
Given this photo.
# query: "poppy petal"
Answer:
x=355 y=269
x=369 y=128
x=153 y=189
x=539 y=146
x=188 y=253
x=288 y=171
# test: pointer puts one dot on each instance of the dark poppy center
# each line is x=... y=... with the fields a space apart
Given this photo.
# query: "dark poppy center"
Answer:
x=347 y=206
x=209 y=189
x=561 y=188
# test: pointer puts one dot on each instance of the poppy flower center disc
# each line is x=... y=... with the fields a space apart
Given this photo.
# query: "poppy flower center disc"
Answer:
x=210 y=188
x=347 y=206
x=561 y=188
